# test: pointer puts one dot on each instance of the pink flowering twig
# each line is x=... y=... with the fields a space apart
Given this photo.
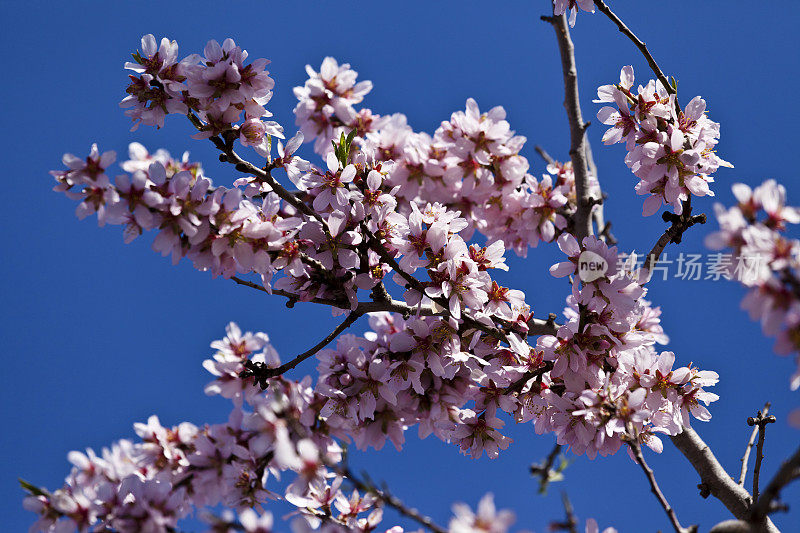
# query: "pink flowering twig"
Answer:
x=416 y=284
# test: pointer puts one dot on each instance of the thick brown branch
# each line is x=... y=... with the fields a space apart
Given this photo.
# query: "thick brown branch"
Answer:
x=391 y=500
x=715 y=480
x=577 y=127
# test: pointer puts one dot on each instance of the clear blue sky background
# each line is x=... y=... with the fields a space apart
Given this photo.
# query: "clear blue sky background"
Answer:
x=97 y=335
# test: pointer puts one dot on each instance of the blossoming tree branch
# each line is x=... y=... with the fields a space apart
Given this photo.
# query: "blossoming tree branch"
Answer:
x=384 y=229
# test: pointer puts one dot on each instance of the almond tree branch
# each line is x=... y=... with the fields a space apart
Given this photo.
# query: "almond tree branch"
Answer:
x=598 y=209
x=570 y=522
x=536 y=326
x=577 y=127
x=638 y=42
x=746 y=456
x=417 y=285
x=789 y=471
x=517 y=386
x=230 y=156
x=716 y=481
x=262 y=373
x=545 y=470
x=760 y=421
x=674 y=233
x=633 y=443
x=544 y=155
x=391 y=500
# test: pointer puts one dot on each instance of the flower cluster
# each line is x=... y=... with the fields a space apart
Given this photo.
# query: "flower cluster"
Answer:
x=151 y=484
x=388 y=205
x=217 y=86
x=608 y=384
x=325 y=103
x=670 y=150
x=416 y=371
x=755 y=230
x=371 y=213
x=472 y=163
x=331 y=255
x=218 y=229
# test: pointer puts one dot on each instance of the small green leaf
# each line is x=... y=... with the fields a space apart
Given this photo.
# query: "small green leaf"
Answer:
x=33 y=489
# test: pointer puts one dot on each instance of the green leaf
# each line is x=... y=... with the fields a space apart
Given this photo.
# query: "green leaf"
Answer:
x=33 y=489
x=335 y=150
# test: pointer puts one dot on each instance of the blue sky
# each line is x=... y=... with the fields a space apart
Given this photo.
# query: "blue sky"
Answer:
x=98 y=335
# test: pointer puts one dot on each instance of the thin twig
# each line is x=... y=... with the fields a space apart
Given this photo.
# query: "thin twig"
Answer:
x=746 y=456
x=517 y=386
x=262 y=373
x=417 y=285
x=674 y=233
x=654 y=488
x=391 y=500
x=761 y=421
x=545 y=470
x=536 y=326
x=571 y=523
x=230 y=156
x=577 y=127
x=544 y=155
x=789 y=471
x=638 y=42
